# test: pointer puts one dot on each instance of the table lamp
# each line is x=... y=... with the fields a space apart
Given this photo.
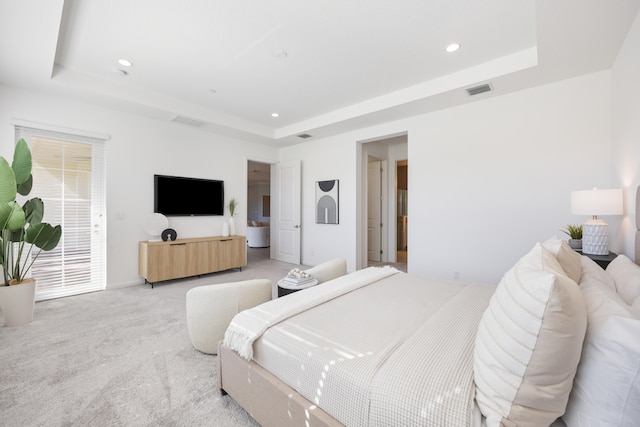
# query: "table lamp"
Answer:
x=595 y=231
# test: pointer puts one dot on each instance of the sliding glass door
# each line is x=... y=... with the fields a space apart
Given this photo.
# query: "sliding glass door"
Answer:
x=69 y=176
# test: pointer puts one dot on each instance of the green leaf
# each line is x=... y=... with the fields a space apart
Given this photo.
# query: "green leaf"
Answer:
x=25 y=187
x=22 y=162
x=11 y=216
x=34 y=211
x=7 y=182
x=44 y=236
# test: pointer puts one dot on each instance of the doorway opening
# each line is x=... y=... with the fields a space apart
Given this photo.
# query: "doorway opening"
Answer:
x=258 y=205
x=384 y=216
x=402 y=213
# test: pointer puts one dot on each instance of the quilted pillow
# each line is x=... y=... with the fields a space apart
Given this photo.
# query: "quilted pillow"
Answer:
x=606 y=390
x=626 y=276
x=528 y=343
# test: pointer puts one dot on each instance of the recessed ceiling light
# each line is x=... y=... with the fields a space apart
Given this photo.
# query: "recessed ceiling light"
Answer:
x=125 y=63
x=453 y=47
x=275 y=115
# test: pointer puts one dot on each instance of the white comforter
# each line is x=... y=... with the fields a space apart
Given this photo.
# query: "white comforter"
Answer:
x=397 y=351
x=249 y=325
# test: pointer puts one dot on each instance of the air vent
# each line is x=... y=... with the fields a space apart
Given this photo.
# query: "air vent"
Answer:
x=304 y=136
x=187 y=121
x=479 y=89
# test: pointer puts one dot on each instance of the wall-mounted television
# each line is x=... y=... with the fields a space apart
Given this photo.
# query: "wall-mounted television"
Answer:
x=180 y=196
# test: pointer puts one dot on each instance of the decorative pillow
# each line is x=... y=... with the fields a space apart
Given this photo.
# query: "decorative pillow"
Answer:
x=568 y=258
x=592 y=271
x=626 y=276
x=528 y=343
x=606 y=390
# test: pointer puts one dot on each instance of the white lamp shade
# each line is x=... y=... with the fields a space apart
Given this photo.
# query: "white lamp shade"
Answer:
x=596 y=202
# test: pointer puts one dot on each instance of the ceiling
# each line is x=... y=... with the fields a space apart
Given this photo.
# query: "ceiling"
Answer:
x=258 y=173
x=324 y=66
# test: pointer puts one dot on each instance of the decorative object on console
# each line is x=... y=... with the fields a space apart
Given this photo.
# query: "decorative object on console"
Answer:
x=232 y=226
x=156 y=223
x=225 y=229
x=596 y=202
x=169 y=234
x=575 y=234
x=327 y=207
x=232 y=211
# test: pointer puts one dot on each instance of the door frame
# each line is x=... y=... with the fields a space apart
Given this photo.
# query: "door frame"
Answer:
x=362 y=157
x=269 y=162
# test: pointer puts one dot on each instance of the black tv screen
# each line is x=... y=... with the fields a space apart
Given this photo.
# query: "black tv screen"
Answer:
x=179 y=196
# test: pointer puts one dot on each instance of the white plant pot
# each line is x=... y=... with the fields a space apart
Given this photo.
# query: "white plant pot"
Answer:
x=17 y=302
x=232 y=226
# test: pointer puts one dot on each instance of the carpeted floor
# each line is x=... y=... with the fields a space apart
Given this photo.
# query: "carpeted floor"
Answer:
x=119 y=357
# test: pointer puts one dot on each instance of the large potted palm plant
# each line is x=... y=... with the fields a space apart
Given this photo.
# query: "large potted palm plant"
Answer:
x=23 y=236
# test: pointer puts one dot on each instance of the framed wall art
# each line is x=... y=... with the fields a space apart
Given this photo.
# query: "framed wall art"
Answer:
x=327 y=201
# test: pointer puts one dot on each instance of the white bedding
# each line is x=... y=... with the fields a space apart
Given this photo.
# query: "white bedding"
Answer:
x=249 y=325
x=396 y=352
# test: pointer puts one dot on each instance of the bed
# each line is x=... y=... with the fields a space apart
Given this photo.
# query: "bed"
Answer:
x=554 y=342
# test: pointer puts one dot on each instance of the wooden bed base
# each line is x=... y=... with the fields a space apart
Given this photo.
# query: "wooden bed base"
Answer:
x=267 y=399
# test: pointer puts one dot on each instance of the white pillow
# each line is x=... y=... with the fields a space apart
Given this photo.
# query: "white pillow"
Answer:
x=606 y=390
x=568 y=258
x=626 y=276
x=528 y=343
x=592 y=271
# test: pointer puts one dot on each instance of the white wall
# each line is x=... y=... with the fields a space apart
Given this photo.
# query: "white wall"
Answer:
x=490 y=179
x=138 y=149
x=487 y=180
x=626 y=131
x=323 y=160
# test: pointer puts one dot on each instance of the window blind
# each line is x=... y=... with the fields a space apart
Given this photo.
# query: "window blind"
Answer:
x=69 y=176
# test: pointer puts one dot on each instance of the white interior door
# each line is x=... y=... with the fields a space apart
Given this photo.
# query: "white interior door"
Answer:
x=374 y=218
x=288 y=212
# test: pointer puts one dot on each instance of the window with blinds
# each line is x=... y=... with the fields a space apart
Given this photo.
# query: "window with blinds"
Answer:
x=69 y=176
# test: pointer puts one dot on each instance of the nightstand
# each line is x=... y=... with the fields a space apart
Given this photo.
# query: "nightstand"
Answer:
x=602 y=260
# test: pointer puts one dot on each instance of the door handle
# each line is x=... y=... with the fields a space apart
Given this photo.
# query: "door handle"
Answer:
x=296 y=226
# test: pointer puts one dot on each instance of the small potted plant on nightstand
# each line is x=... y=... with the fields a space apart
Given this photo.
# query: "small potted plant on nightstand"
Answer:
x=575 y=234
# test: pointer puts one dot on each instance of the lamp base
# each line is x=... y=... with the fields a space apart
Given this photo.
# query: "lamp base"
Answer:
x=594 y=237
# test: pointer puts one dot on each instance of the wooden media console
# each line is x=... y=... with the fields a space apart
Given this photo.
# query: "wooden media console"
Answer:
x=159 y=260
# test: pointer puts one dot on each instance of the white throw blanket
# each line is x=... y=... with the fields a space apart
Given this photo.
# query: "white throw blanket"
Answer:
x=249 y=325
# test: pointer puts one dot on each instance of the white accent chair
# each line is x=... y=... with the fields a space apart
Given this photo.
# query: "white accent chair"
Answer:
x=328 y=270
x=259 y=236
x=210 y=309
